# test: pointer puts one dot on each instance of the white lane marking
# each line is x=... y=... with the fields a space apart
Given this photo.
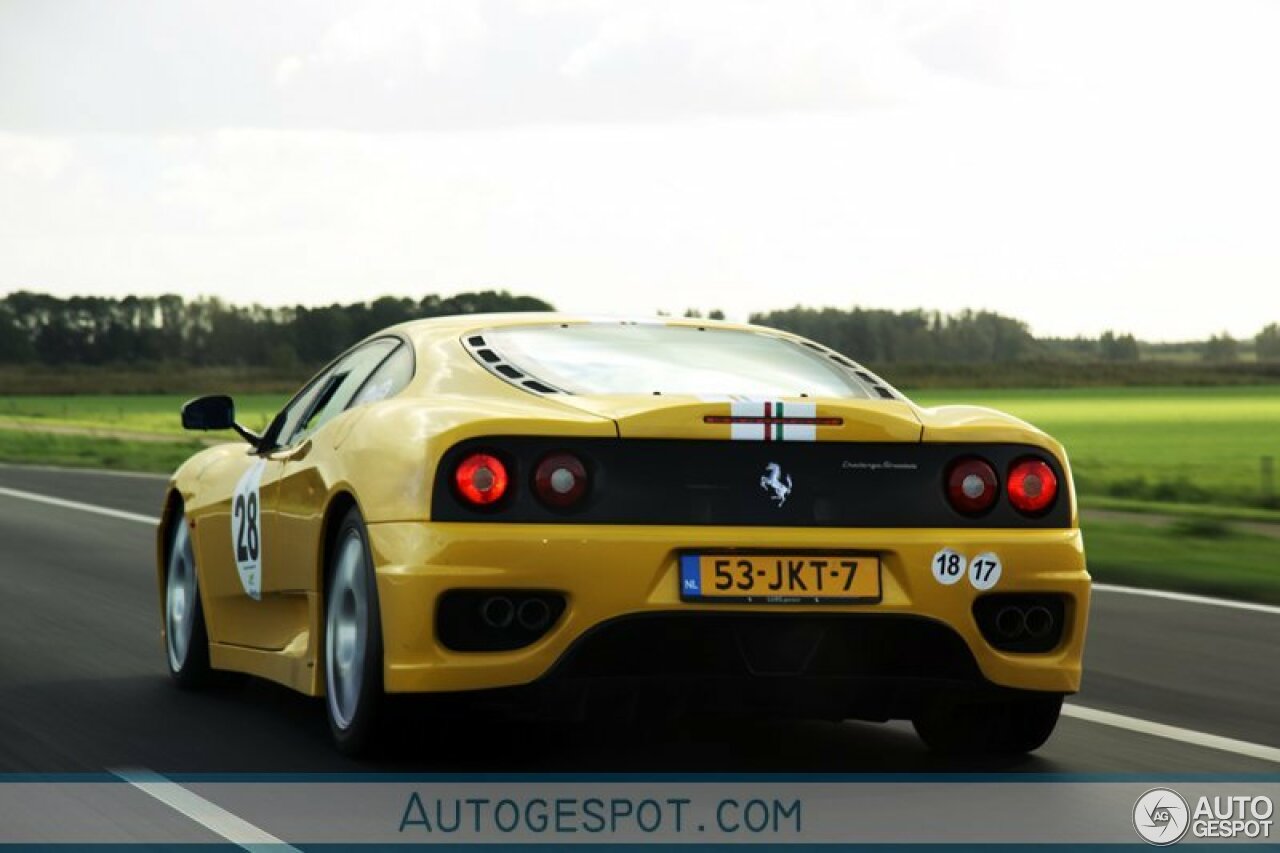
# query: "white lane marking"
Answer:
x=67 y=469
x=65 y=504
x=211 y=816
x=1188 y=598
x=1191 y=736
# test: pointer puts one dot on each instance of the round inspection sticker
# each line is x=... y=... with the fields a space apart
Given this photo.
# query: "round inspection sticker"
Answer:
x=948 y=566
x=984 y=570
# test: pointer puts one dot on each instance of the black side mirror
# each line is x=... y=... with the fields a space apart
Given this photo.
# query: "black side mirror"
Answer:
x=216 y=411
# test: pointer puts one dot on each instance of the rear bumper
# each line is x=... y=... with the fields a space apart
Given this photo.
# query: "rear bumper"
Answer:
x=624 y=618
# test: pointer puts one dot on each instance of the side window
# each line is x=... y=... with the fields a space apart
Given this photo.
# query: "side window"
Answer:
x=388 y=380
x=298 y=408
x=340 y=386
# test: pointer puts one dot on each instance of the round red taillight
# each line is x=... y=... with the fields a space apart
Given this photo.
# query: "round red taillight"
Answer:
x=1032 y=486
x=560 y=480
x=481 y=479
x=971 y=486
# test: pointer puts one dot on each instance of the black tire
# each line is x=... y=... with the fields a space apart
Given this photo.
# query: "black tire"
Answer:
x=186 y=638
x=353 y=673
x=1009 y=726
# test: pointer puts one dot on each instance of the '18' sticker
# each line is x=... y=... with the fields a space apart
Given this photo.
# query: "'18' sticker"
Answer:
x=948 y=566
x=246 y=529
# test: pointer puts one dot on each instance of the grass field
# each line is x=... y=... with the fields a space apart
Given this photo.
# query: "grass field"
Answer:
x=81 y=451
x=1164 y=445
x=149 y=413
x=1185 y=445
x=1188 y=557
x=1181 y=452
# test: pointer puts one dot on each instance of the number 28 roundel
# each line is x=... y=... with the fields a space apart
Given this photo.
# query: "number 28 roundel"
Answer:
x=246 y=529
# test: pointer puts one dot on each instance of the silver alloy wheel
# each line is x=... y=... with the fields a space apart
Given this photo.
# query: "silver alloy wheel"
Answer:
x=347 y=631
x=180 y=596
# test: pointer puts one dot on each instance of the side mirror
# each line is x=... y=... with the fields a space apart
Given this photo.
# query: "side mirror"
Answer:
x=216 y=411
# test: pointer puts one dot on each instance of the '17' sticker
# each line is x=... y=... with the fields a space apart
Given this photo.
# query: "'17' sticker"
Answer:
x=948 y=566
x=984 y=570
x=246 y=529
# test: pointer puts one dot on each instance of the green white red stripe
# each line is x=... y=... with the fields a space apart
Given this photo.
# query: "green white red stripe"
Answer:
x=773 y=420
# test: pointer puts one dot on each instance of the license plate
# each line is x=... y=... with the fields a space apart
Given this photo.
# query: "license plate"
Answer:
x=779 y=578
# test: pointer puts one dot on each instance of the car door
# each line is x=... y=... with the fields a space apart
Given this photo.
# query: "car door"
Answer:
x=249 y=551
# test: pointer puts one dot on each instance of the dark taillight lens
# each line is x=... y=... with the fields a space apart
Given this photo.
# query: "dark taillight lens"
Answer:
x=972 y=486
x=1032 y=486
x=560 y=480
x=481 y=479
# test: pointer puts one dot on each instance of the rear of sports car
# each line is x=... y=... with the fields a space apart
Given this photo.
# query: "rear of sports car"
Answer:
x=766 y=527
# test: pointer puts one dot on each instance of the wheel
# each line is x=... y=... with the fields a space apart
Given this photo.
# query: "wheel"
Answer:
x=1003 y=727
x=186 y=639
x=352 y=640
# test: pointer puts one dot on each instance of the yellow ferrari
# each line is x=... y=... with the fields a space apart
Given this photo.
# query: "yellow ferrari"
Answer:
x=666 y=516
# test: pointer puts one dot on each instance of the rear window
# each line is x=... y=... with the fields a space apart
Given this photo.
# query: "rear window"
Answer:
x=649 y=358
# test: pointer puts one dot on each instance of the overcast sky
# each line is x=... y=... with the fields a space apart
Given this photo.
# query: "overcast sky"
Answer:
x=1082 y=166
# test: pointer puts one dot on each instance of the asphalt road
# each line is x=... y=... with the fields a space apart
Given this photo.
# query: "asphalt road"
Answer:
x=83 y=685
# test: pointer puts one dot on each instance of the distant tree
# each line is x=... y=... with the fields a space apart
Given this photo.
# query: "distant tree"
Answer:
x=1113 y=347
x=15 y=342
x=910 y=336
x=715 y=314
x=1267 y=343
x=1221 y=349
x=170 y=330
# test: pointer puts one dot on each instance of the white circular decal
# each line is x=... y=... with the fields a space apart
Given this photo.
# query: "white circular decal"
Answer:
x=984 y=570
x=948 y=566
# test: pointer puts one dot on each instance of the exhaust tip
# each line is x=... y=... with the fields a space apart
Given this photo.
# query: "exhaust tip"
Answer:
x=533 y=614
x=497 y=611
x=1011 y=622
x=1039 y=621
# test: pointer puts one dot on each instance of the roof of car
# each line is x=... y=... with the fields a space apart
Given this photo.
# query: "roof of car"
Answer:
x=460 y=324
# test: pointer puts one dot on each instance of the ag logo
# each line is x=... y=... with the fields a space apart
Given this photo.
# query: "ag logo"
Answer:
x=1161 y=816
x=772 y=482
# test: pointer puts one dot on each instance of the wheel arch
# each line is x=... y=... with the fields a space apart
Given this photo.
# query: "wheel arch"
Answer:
x=173 y=507
x=340 y=503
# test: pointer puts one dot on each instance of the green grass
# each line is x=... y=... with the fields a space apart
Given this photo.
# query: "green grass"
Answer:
x=1185 y=445
x=79 y=451
x=1200 y=553
x=1197 y=557
x=1182 y=510
x=149 y=413
x=1147 y=447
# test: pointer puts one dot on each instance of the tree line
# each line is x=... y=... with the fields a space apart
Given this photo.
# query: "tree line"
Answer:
x=879 y=336
x=208 y=332
x=37 y=328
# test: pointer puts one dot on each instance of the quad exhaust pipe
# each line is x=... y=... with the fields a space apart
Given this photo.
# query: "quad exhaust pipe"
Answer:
x=533 y=614
x=1013 y=622
x=497 y=612
x=500 y=612
x=1039 y=622
x=496 y=619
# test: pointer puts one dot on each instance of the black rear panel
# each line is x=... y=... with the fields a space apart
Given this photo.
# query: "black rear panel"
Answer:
x=649 y=481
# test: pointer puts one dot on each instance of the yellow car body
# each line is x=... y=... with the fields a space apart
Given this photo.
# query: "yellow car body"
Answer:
x=385 y=457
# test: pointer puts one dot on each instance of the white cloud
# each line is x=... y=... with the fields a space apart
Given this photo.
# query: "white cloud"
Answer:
x=287 y=69
x=1074 y=164
x=32 y=157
